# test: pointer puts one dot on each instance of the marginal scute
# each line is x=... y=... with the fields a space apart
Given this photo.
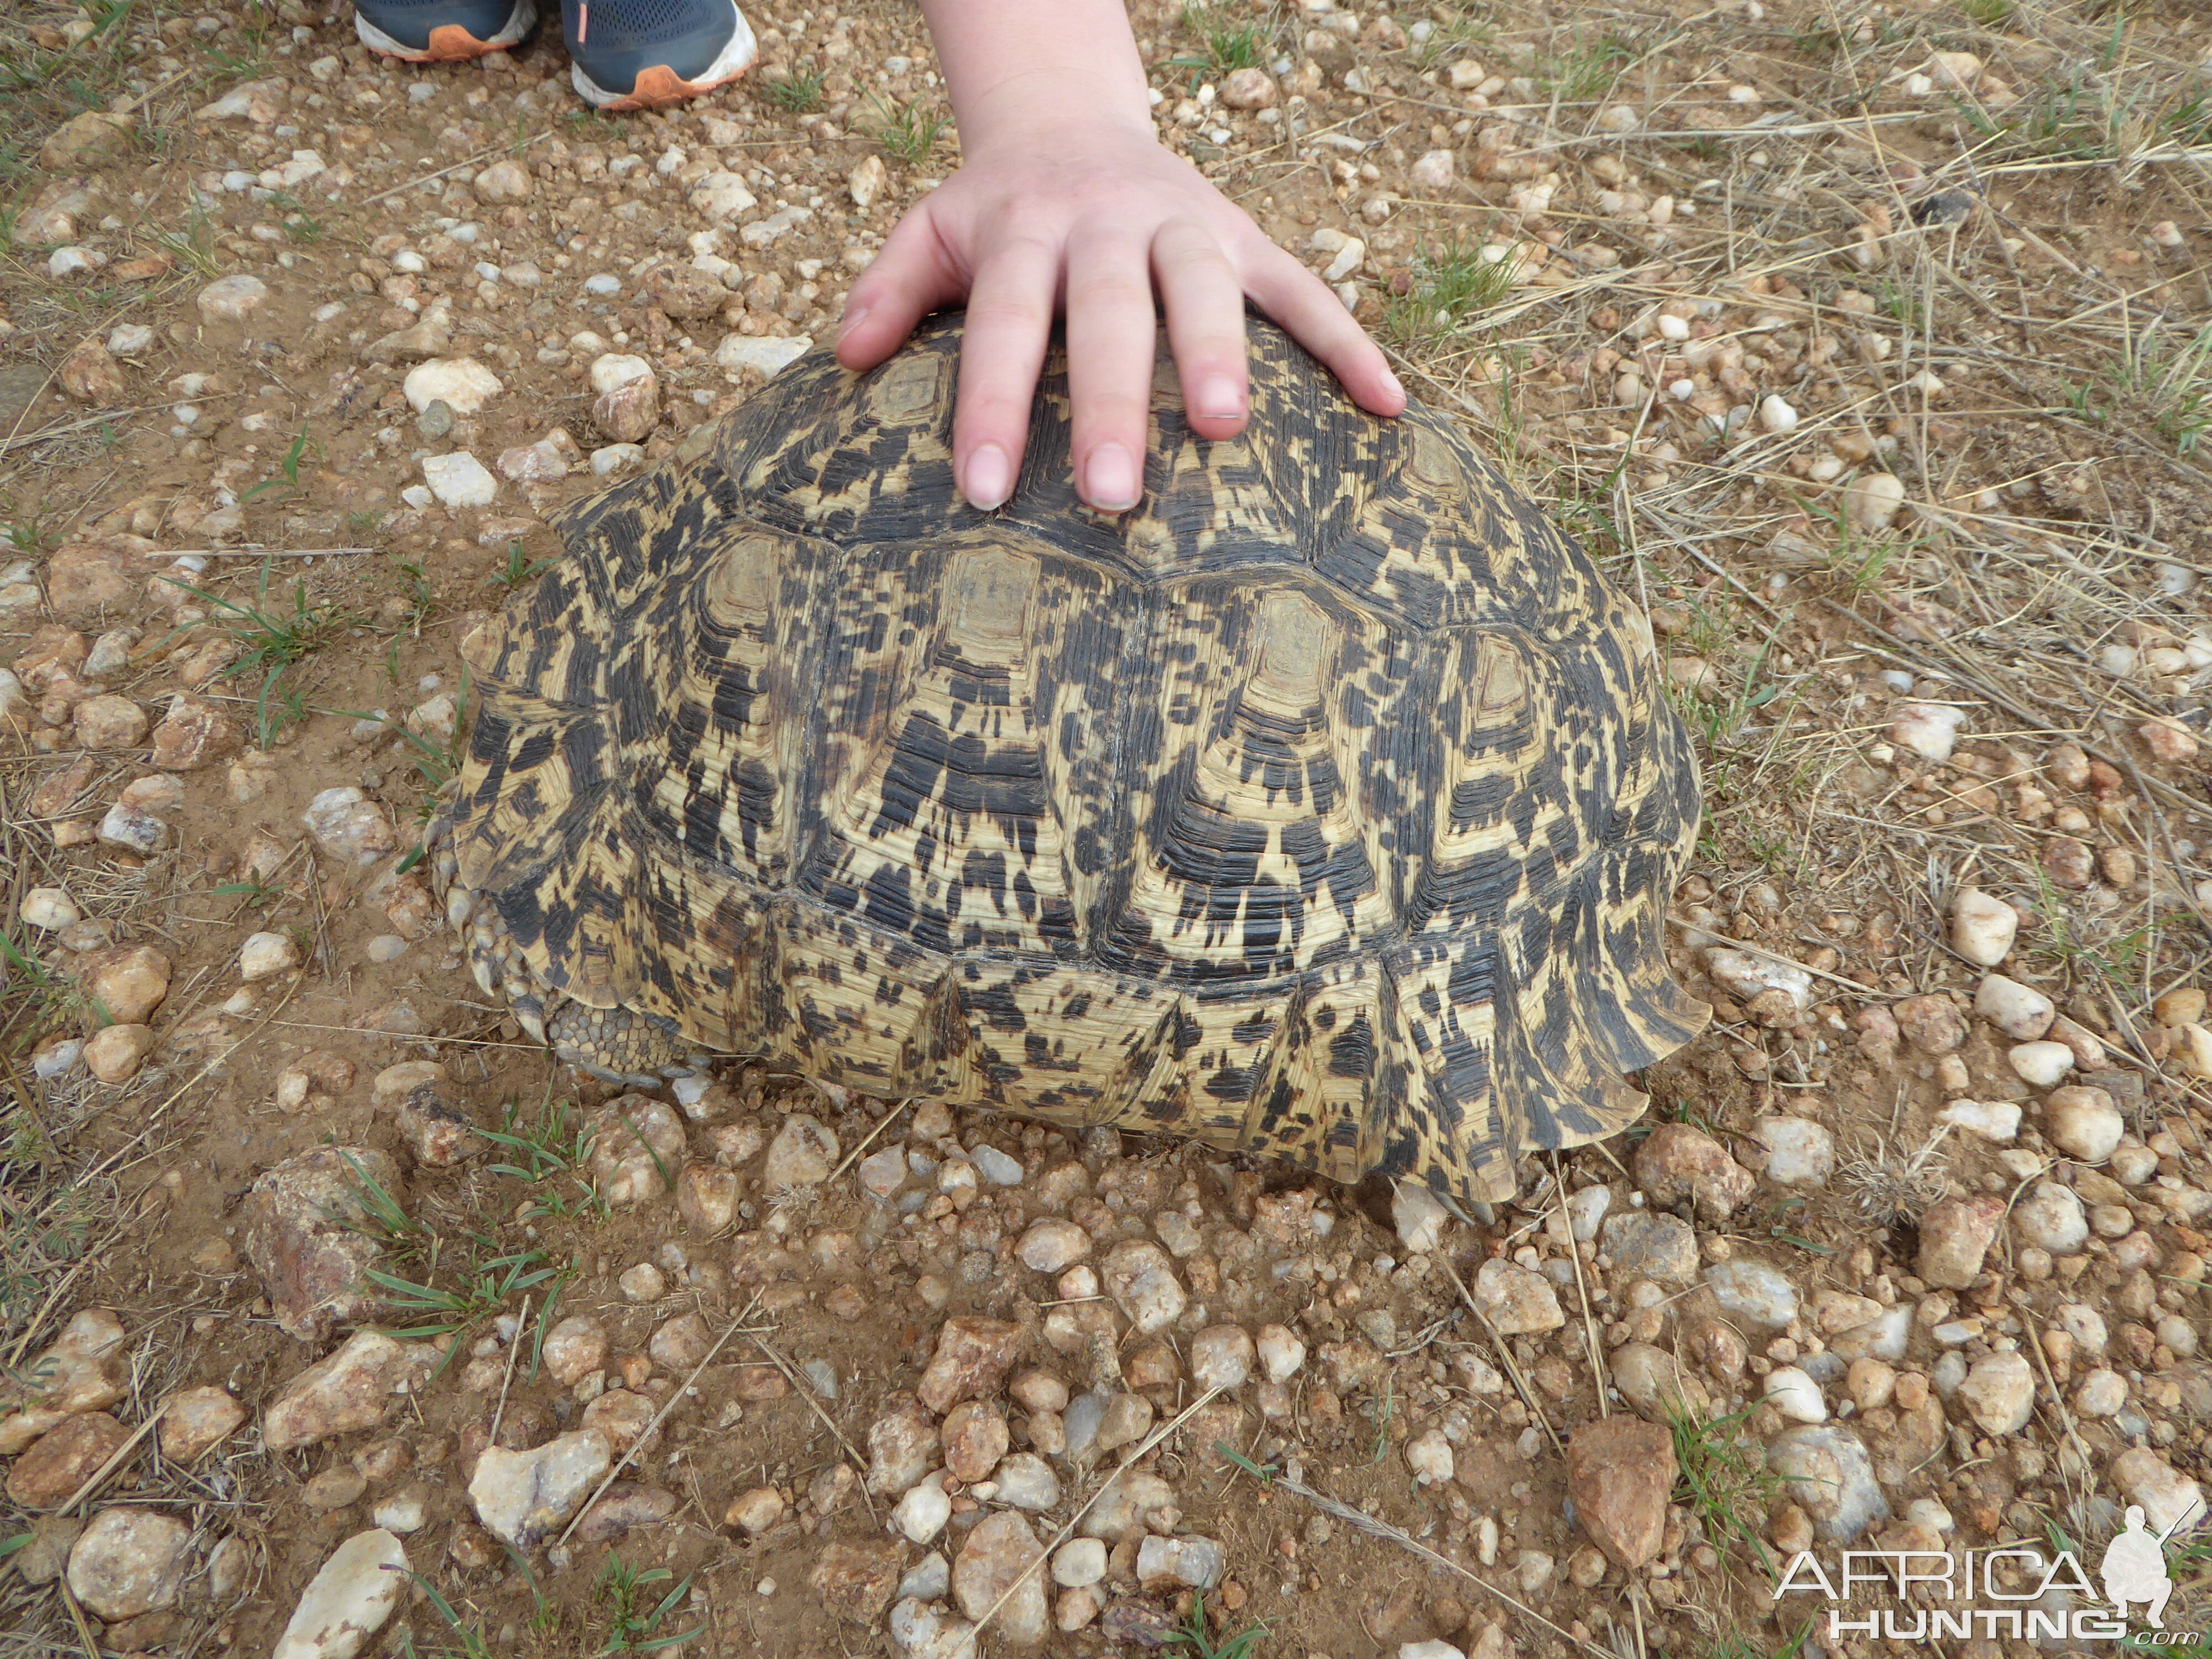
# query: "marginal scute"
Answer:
x=1325 y=807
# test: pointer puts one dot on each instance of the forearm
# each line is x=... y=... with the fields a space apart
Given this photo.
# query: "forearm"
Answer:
x=1014 y=67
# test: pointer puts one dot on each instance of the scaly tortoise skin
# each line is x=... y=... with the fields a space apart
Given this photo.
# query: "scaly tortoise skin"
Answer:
x=1325 y=807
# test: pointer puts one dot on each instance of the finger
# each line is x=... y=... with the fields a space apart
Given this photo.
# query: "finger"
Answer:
x=1112 y=332
x=1009 y=325
x=1303 y=303
x=1206 y=326
x=913 y=276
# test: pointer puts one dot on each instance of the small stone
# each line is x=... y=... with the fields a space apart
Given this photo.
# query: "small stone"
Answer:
x=89 y=374
x=130 y=1561
x=79 y=1372
x=114 y=1054
x=1221 y=1357
x=765 y=355
x=1248 y=88
x=802 y=1155
x=1050 y=1245
x=921 y=1514
x=2192 y=1051
x=1982 y=927
x=196 y=1421
x=919 y=1630
x=348 y=1599
x=574 y=1349
x=707 y=1197
x=2050 y=1217
x=1621 y=1471
x=2183 y=1005
x=1956 y=1235
x=1126 y=1419
x=2000 y=1391
x=634 y=1138
x=2083 y=1122
x=64 y=1458
x=1429 y=1455
x=976 y=1437
x=1080 y=1563
x=526 y=1497
x=754 y=1512
x=2021 y=1013
x=2102 y=1393
x=721 y=197
x=2167 y=1496
x=856 y=1579
x=505 y=180
x=1753 y=1290
x=997 y=1554
x=1660 y=1247
x=643 y=1283
x=1138 y=1274
x=1417 y=1217
x=462 y=384
x=1830 y=1478
x=49 y=909
x=91 y=140
x=1654 y=1384
x=458 y=480
x=232 y=299
x=2041 y=1064
x=1172 y=1564
x=2168 y=740
x=623 y=1508
x=346 y=1392
x=405 y=1512
x=349 y=827
x=1517 y=1301
x=627 y=405
x=1122 y=1504
x=310 y=1236
x=1026 y=1481
x=1872 y=500
x=1799 y=1152
x=1435 y=170
x=972 y=1359
x=108 y=721
x=902 y=1444
x=1929 y=730
x=1280 y=1353
x=263 y=955
x=865 y=182
x=1931 y=1023
x=1796 y=1395
x=1777 y=416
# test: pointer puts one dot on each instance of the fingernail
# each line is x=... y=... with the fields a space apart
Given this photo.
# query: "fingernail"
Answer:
x=1390 y=385
x=989 y=479
x=852 y=321
x=1112 y=477
x=1220 y=398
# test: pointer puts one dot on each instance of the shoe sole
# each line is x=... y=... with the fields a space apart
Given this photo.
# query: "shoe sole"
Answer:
x=658 y=86
x=449 y=42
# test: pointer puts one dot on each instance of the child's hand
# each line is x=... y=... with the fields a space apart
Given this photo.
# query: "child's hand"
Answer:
x=1092 y=215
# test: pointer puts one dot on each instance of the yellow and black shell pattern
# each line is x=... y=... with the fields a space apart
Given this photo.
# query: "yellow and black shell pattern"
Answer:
x=1325 y=806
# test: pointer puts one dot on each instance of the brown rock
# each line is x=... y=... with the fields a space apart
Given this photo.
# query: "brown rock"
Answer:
x=114 y=1054
x=683 y=292
x=196 y=1421
x=1932 y=1024
x=91 y=376
x=2069 y=863
x=1954 y=1236
x=993 y=1561
x=439 y=1133
x=628 y=413
x=345 y=1392
x=706 y=1197
x=754 y=1512
x=80 y=1372
x=972 y=1359
x=1248 y=88
x=1677 y=1163
x=65 y=1458
x=87 y=579
x=308 y=1236
x=41 y=1561
x=1619 y=1473
x=855 y=1580
x=88 y=142
x=128 y=984
x=976 y=1438
x=625 y=1505
x=57 y=794
x=109 y=721
x=195 y=732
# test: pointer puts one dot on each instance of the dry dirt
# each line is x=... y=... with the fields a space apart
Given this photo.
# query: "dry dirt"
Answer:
x=1612 y=247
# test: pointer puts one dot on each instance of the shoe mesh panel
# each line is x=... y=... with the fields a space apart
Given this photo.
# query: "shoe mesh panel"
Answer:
x=625 y=25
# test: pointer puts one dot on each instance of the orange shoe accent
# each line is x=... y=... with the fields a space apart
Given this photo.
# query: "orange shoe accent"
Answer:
x=658 y=86
x=452 y=44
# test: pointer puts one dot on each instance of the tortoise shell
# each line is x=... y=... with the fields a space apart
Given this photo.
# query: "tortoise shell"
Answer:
x=1324 y=806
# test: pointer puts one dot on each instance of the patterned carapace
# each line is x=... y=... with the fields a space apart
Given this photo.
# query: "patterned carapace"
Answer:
x=1324 y=806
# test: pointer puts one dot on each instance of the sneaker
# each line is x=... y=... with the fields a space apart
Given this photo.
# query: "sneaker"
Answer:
x=442 y=31
x=642 y=54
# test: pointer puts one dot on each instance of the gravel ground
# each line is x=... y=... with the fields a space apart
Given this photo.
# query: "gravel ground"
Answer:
x=1871 y=348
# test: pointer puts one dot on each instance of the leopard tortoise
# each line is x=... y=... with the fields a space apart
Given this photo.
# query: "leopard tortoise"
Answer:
x=1324 y=806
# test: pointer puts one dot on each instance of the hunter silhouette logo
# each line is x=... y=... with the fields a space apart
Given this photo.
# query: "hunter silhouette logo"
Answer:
x=2134 y=1568
x=2017 y=1590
